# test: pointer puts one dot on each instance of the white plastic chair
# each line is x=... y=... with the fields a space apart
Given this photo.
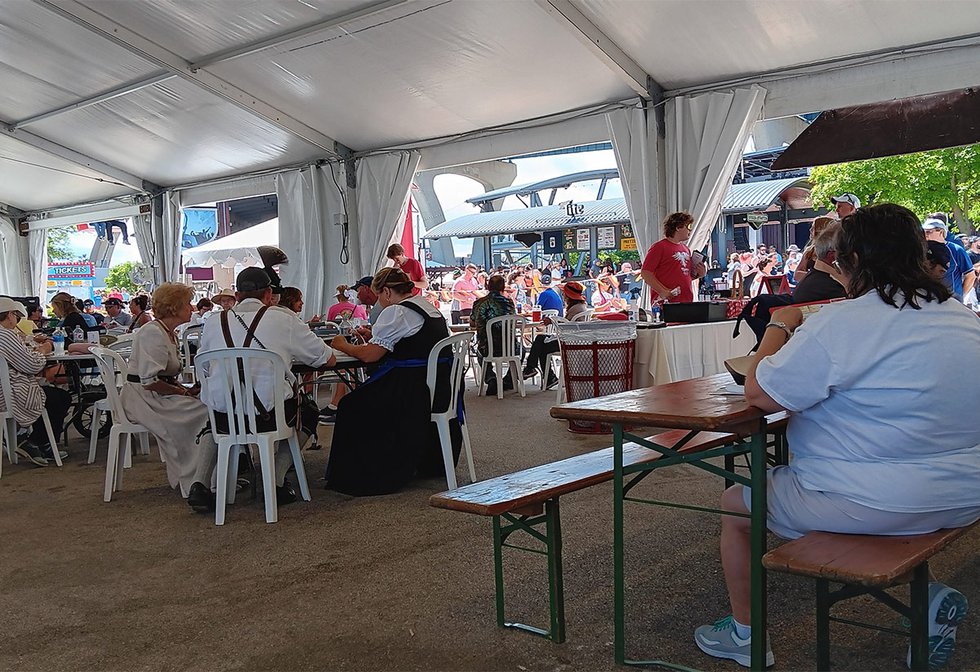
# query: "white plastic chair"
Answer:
x=102 y=406
x=8 y=426
x=190 y=336
x=111 y=364
x=550 y=330
x=239 y=397
x=511 y=329
x=458 y=344
x=584 y=316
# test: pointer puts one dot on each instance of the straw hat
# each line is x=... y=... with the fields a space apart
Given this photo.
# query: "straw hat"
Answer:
x=224 y=292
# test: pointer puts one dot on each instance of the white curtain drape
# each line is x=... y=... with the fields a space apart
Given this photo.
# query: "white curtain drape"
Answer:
x=633 y=132
x=383 y=182
x=158 y=238
x=37 y=242
x=705 y=137
x=14 y=273
x=309 y=207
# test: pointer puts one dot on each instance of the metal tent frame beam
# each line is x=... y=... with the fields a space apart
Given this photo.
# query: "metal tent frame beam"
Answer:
x=114 y=174
x=137 y=44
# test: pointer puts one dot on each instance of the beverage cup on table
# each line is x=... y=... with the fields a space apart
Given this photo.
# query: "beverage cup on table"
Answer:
x=536 y=314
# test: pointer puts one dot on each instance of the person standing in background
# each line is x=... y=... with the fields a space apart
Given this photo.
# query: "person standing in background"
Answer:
x=412 y=267
x=668 y=267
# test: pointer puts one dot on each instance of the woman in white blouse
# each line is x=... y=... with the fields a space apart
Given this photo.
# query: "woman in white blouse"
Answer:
x=383 y=436
x=29 y=398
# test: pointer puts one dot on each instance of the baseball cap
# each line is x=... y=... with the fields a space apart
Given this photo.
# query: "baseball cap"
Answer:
x=546 y=278
x=932 y=223
x=8 y=305
x=364 y=282
x=252 y=279
x=88 y=302
x=793 y=248
x=113 y=301
x=938 y=253
x=847 y=197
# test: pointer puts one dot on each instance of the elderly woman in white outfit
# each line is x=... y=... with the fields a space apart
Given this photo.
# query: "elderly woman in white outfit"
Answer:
x=882 y=428
x=154 y=398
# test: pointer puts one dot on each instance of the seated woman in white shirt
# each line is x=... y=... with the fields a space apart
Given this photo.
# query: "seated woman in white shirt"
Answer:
x=383 y=436
x=883 y=428
x=604 y=298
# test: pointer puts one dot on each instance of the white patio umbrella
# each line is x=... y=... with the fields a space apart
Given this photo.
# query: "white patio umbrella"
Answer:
x=237 y=248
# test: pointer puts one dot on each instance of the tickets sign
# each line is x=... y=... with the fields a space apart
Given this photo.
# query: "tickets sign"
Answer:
x=81 y=269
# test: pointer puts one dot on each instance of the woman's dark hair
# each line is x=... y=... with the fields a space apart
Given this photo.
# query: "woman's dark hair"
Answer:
x=882 y=248
x=205 y=304
x=289 y=296
x=141 y=300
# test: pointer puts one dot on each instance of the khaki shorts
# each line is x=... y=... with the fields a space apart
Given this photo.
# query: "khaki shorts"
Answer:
x=794 y=511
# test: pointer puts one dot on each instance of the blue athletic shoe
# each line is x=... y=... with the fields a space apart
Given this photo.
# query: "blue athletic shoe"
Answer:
x=947 y=609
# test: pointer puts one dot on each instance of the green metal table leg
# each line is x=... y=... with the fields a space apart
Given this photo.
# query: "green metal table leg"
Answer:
x=619 y=589
x=758 y=546
x=498 y=569
x=556 y=586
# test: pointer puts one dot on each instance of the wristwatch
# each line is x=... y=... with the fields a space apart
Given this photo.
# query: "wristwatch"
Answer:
x=780 y=325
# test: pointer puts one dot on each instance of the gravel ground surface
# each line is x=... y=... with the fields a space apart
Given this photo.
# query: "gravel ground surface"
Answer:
x=340 y=583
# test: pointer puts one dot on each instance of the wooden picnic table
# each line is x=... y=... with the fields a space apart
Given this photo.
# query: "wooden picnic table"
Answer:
x=697 y=405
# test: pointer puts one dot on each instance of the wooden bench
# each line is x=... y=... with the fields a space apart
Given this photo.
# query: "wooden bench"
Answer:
x=527 y=500
x=866 y=565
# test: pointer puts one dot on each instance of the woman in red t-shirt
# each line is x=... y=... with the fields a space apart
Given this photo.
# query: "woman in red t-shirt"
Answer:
x=667 y=268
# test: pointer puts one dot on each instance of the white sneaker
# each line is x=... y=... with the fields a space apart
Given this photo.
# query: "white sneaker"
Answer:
x=722 y=641
x=947 y=609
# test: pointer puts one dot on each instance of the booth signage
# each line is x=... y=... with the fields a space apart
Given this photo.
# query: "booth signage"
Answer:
x=552 y=242
x=81 y=269
x=583 y=240
x=756 y=217
x=569 y=240
x=627 y=244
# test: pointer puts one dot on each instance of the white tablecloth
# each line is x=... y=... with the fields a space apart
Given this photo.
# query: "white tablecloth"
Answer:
x=687 y=351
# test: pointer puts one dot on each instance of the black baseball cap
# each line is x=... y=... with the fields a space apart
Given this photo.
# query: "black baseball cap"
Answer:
x=113 y=301
x=364 y=282
x=252 y=279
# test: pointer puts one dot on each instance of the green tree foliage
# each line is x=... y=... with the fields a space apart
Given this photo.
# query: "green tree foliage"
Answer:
x=59 y=248
x=118 y=276
x=941 y=180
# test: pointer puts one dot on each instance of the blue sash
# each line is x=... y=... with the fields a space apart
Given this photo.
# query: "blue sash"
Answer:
x=391 y=363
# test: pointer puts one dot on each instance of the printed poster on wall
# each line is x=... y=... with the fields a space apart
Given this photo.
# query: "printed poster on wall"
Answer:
x=583 y=240
x=627 y=244
x=606 y=237
x=626 y=230
x=569 y=240
x=552 y=242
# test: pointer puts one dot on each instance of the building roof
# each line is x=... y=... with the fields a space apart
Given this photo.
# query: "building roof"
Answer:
x=544 y=185
x=746 y=197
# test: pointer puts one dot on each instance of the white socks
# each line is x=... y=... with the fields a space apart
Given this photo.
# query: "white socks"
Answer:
x=743 y=631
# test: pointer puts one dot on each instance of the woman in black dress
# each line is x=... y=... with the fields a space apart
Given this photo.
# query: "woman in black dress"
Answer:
x=383 y=437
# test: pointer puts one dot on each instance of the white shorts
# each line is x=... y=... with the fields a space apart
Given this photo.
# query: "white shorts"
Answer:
x=795 y=510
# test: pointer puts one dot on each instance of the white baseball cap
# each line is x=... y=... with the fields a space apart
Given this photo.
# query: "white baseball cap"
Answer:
x=932 y=223
x=9 y=305
x=847 y=198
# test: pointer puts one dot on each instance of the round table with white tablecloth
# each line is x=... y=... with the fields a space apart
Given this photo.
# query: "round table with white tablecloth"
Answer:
x=685 y=351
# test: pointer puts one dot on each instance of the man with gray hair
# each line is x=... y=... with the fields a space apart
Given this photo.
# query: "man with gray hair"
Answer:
x=823 y=282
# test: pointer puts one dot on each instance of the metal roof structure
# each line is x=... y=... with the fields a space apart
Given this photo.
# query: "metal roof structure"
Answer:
x=105 y=98
x=740 y=198
x=543 y=185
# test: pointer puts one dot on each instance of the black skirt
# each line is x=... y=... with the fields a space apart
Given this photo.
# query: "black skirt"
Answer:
x=383 y=436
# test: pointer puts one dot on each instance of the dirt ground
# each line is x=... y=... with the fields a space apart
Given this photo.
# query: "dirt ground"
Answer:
x=382 y=583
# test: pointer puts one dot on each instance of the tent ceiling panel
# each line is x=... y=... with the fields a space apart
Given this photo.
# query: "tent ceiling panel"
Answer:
x=205 y=27
x=35 y=180
x=174 y=132
x=488 y=63
x=46 y=62
x=684 y=43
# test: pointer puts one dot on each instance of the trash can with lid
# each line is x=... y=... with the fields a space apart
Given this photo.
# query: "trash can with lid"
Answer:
x=596 y=360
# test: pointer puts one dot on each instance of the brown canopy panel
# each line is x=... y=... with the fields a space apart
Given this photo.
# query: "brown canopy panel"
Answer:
x=894 y=127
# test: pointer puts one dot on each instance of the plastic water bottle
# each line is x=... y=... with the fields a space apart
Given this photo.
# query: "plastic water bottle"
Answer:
x=634 y=310
x=58 y=338
x=78 y=335
x=656 y=313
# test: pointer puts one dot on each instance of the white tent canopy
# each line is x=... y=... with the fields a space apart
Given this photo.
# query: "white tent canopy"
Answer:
x=236 y=248
x=108 y=98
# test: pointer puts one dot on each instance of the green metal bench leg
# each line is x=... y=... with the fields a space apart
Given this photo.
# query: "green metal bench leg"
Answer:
x=552 y=541
x=919 y=605
x=556 y=584
x=823 y=625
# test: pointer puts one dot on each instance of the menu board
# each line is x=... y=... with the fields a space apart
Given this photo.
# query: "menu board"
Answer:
x=583 y=239
x=606 y=237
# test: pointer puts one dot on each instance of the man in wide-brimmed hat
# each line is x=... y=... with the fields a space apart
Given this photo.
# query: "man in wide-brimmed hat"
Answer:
x=224 y=298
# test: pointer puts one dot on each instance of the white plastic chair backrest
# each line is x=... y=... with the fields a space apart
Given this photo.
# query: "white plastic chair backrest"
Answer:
x=510 y=329
x=114 y=370
x=6 y=404
x=223 y=380
x=459 y=344
x=552 y=315
x=190 y=335
x=584 y=316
